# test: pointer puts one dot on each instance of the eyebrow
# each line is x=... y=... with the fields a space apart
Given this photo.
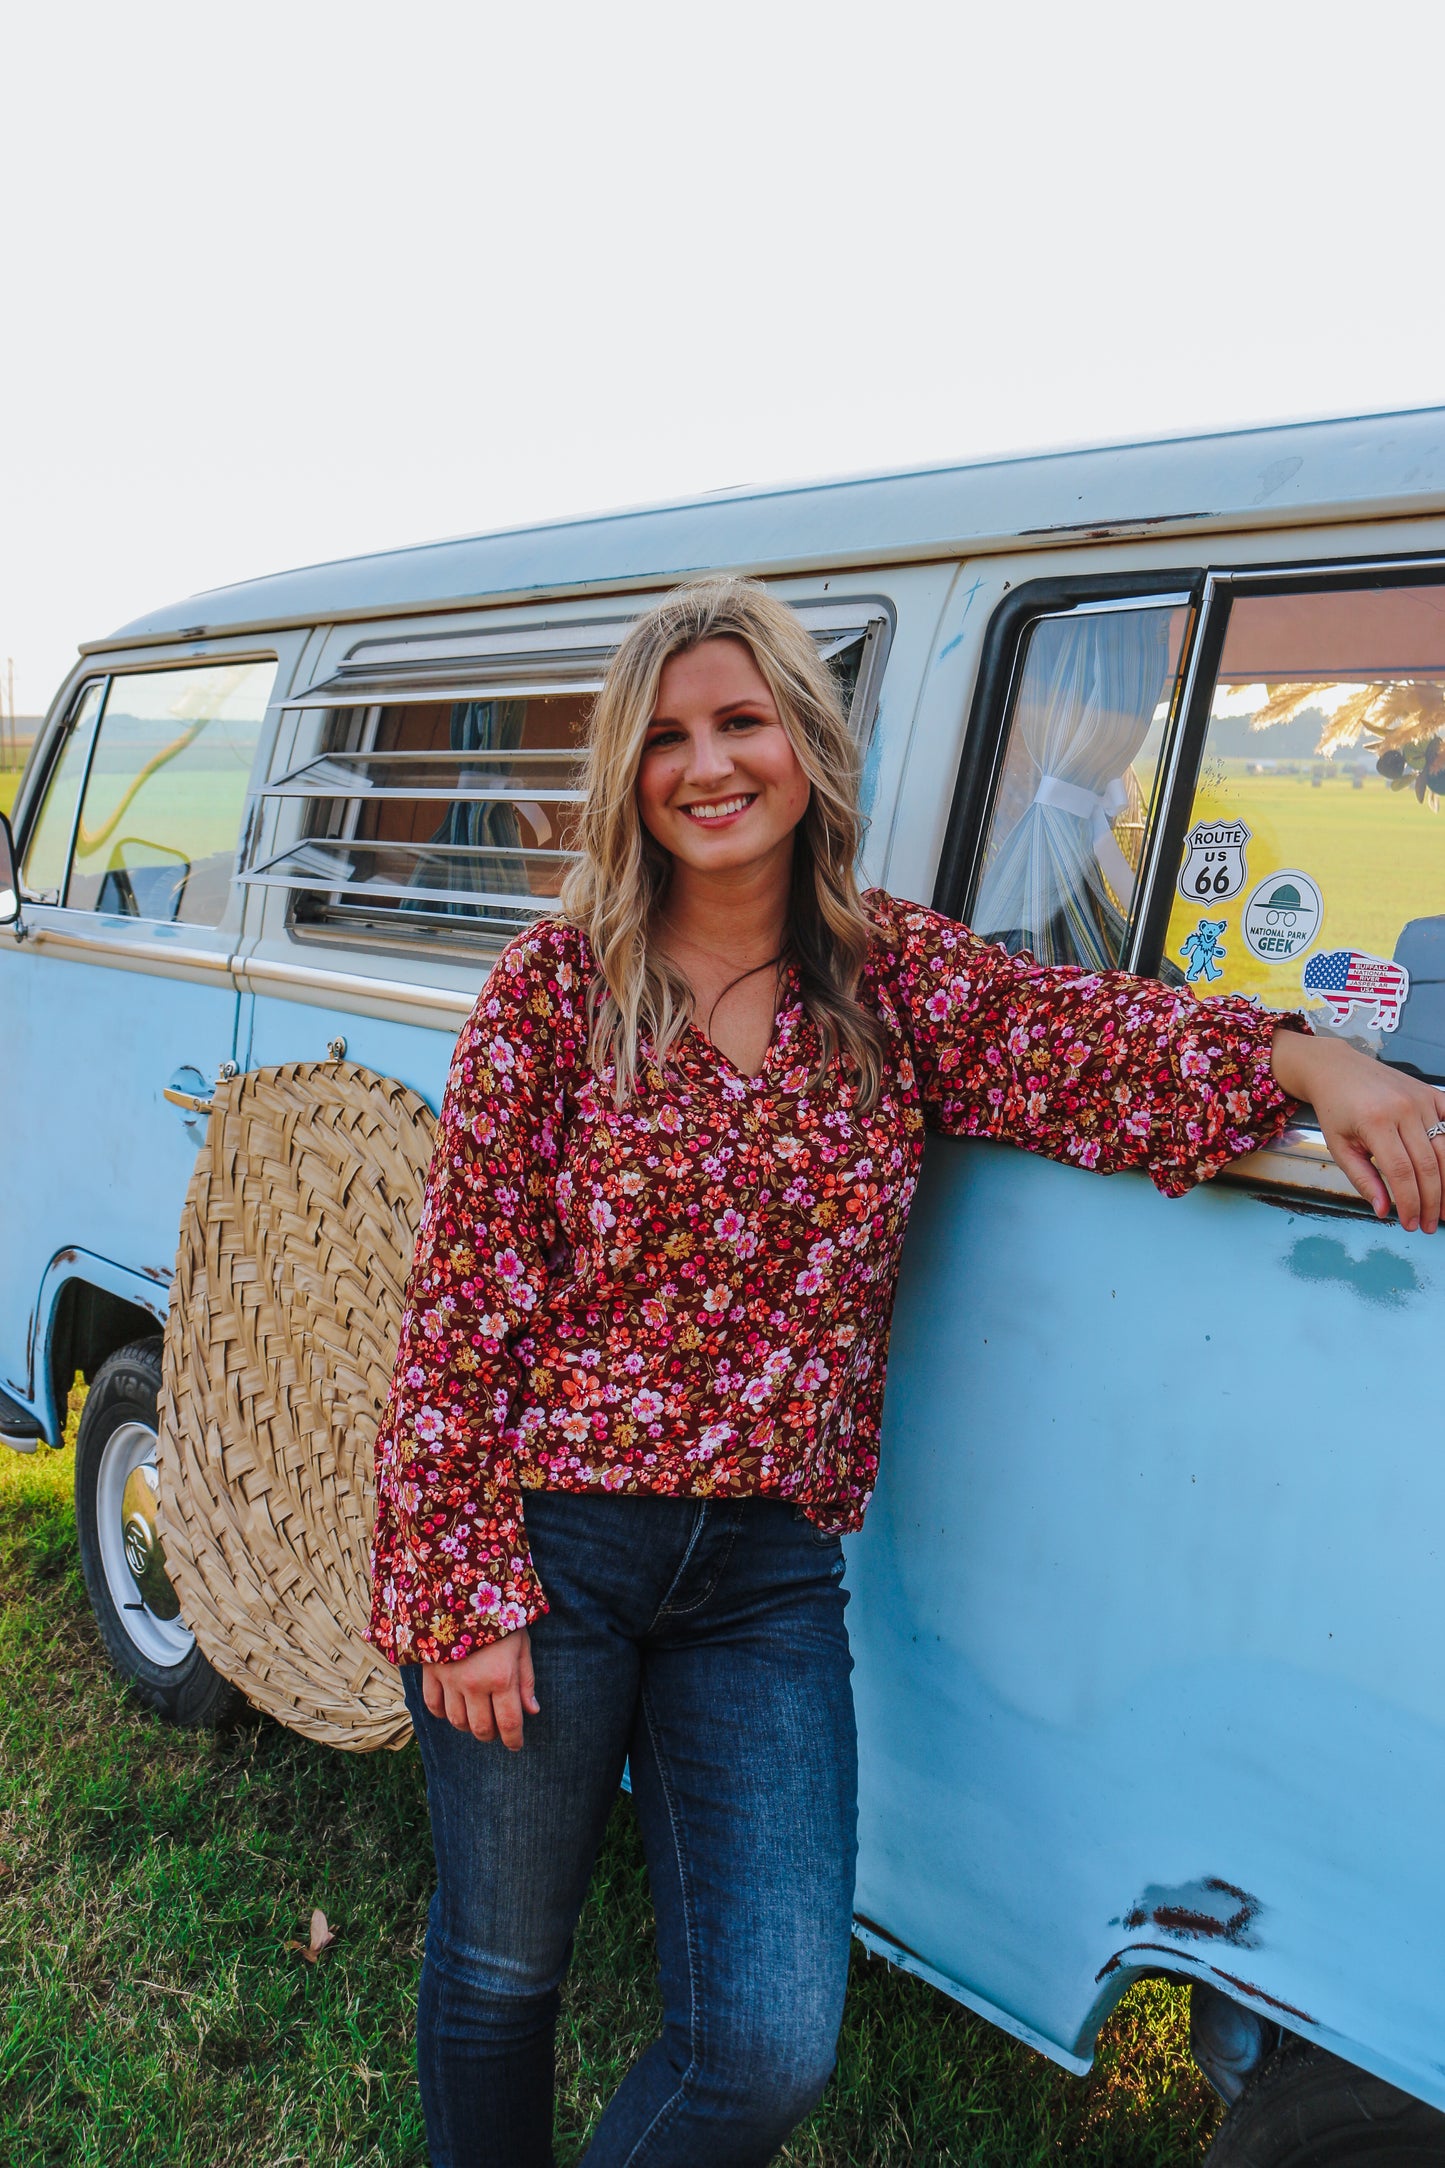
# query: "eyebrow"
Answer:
x=755 y=701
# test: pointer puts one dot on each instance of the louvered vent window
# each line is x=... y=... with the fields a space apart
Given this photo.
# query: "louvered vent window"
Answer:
x=441 y=790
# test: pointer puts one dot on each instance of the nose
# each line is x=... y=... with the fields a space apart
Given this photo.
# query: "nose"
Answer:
x=709 y=760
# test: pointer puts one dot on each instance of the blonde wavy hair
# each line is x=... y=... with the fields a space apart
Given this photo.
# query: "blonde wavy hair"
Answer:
x=615 y=889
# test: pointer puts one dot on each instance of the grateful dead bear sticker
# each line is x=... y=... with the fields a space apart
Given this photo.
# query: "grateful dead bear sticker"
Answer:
x=1215 y=867
x=1282 y=917
x=1202 y=948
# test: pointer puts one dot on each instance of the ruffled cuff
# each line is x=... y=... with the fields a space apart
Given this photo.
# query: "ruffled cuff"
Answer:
x=439 y=1592
x=1230 y=1103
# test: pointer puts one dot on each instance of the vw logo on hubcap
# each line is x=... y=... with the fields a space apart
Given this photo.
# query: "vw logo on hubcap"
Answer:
x=137 y=1540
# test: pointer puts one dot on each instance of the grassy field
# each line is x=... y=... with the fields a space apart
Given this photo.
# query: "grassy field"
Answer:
x=150 y=2012
x=1376 y=855
x=9 y=784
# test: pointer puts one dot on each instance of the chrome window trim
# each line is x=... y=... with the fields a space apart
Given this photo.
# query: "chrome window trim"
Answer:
x=262 y=974
x=438 y=1007
x=304 y=781
x=163 y=959
x=36 y=805
x=1298 y=1162
x=1171 y=760
x=1108 y=606
x=330 y=884
x=478 y=684
x=1327 y=570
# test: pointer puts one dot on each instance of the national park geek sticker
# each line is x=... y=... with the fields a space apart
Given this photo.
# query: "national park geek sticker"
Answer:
x=1282 y=917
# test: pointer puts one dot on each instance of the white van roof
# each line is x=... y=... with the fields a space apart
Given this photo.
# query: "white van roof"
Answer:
x=1300 y=473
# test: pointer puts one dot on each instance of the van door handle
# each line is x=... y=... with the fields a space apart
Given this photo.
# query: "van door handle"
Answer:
x=191 y=1101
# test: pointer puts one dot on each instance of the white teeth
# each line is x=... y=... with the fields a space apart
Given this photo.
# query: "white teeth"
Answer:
x=720 y=812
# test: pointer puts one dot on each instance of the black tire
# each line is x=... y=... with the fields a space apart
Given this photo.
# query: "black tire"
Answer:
x=139 y=1620
x=1307 y=2109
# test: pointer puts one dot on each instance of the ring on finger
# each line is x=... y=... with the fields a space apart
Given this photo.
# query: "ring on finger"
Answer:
x=1435 y=1129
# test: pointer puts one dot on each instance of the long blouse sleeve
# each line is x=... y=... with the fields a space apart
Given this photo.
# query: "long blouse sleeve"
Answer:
x=1100 y=1069
x=451 y=1570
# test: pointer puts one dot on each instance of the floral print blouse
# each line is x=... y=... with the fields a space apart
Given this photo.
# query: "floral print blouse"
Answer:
x=692 y=1294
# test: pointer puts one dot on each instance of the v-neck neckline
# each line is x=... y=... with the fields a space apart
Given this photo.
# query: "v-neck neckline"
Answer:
x=782 y=1014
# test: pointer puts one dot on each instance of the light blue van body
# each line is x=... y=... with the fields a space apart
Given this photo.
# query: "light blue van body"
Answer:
x=1149 y=1611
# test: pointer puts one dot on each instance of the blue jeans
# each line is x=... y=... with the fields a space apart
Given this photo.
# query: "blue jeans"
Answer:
x=703 y=1642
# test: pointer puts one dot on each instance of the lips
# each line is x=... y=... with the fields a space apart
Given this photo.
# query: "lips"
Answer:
x=713 y=812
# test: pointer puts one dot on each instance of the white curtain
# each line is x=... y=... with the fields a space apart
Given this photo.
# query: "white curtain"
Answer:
x=1090 y=687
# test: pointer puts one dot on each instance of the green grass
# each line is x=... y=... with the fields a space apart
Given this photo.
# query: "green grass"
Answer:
x=9 y=784
x=1376 y=855
x=151 y=2014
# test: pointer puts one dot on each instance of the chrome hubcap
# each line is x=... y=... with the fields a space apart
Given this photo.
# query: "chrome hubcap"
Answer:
x=144 y=1552
x=131 y=1548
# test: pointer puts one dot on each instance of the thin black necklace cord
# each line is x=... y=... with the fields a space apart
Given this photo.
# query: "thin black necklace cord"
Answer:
x=707 y=1027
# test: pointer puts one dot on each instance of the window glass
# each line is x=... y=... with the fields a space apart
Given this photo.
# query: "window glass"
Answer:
x=43 y=874
x=844 y=654
x=1095 y=691
x=167 y=785
x=1314 y=868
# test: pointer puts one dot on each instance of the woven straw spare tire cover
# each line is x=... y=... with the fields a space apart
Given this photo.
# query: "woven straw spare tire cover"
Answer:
x=295 y=1247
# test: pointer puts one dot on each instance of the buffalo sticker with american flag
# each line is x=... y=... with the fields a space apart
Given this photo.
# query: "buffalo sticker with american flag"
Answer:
x=1344 y=978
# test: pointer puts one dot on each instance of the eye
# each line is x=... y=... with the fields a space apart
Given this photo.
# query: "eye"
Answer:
x=664 y=734
x=746 y=722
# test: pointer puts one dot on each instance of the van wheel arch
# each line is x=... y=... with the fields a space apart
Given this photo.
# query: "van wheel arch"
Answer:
x=89 y=1324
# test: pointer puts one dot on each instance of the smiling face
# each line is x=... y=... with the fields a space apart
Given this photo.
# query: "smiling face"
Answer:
x=719 y=786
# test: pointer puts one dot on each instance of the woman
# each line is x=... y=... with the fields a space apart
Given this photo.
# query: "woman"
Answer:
x=637 y=1393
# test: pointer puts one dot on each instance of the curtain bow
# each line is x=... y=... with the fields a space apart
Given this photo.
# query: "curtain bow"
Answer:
x=1100 y=809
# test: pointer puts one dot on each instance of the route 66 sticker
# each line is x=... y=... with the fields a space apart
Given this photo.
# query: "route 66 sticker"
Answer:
x=1215 y=867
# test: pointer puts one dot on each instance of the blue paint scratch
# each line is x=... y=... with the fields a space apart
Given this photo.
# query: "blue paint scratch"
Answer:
x=1380 y=1276
x=872 y=762
x=967 y=606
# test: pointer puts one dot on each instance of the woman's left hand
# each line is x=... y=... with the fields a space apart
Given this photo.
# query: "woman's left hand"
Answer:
x=1375 y=1122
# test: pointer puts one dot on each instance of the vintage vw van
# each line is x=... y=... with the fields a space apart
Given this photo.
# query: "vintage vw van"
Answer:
x=1149 y=1612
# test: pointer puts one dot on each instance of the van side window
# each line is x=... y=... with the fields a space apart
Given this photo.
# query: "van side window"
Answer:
x=48 y=851
x=1313 y=873
x=161 y=814
x=454 y=816
x=1094 y=690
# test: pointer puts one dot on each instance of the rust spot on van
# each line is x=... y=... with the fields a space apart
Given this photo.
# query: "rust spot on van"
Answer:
x=161 y=1273
x=1247 y=1987
x=1244 y=1987
x=1309 y=1207
x=1101 y=531
x=1210 y=1908
x=64 y=1257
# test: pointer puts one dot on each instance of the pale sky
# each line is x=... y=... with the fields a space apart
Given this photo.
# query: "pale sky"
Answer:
x=288 y=281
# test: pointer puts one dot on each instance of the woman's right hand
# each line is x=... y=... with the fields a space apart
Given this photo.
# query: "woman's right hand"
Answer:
x=487 y=1692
